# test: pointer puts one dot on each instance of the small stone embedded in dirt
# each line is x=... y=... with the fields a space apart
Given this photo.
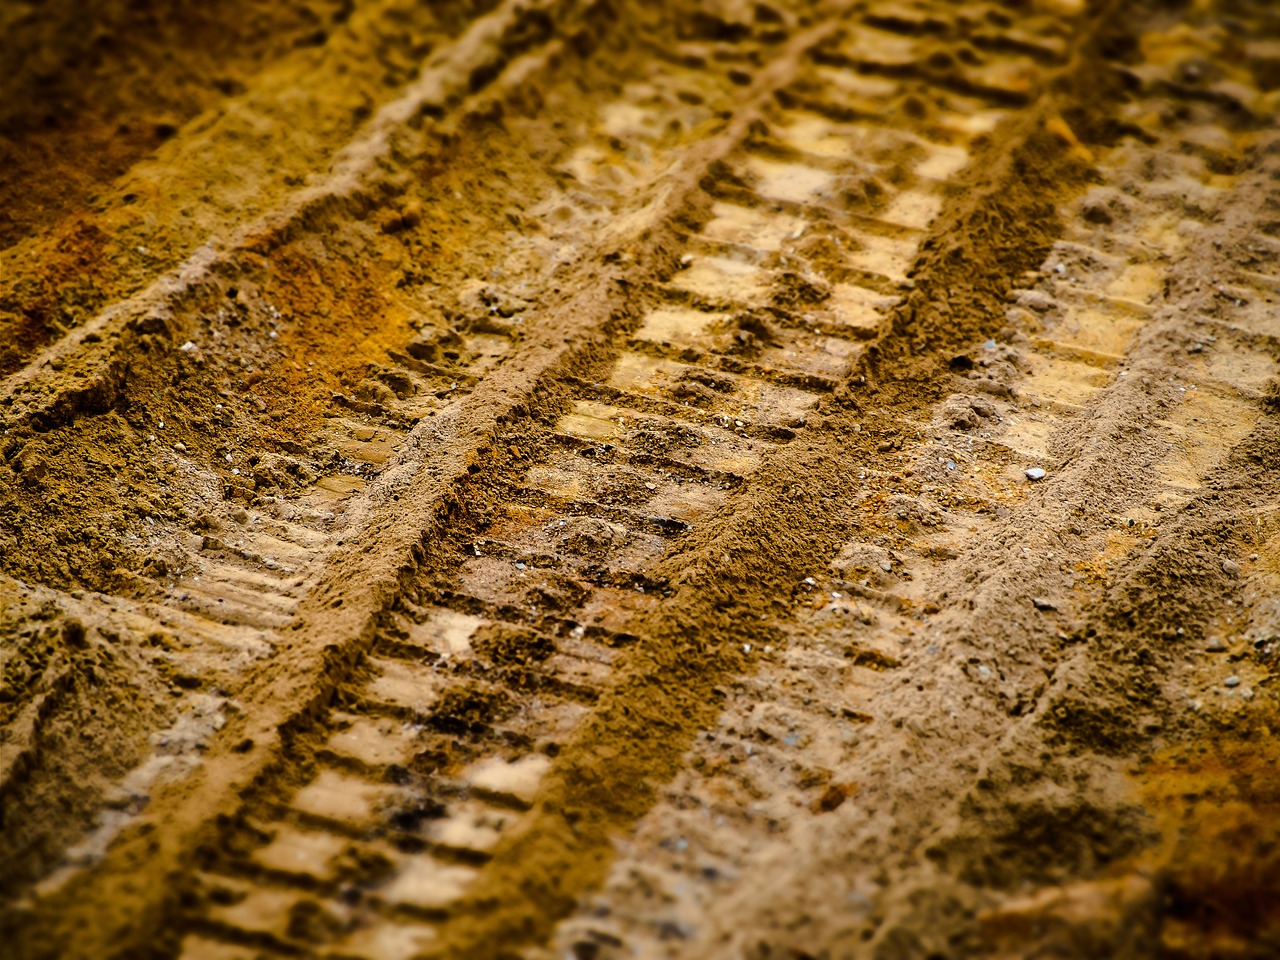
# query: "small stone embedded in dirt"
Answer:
x=833 y=796
x=1230 y=568
x=1231 y=681
x=858 y=561
x=1035 y=473
x=963 y=412
x=1040 y=603
x=1216 y=645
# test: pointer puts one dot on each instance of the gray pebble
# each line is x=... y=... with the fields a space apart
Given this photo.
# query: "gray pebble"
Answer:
x=1035 y=473
x=1216 y=645
x=1230 y=568
x=1041 y=603
x=1232 y=681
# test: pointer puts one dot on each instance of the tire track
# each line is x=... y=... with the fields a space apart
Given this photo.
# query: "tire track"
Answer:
x=236 y=576
x=659 y=694
x=477 y=416
x=492 y=614
x=804 y=778
x=457 y=685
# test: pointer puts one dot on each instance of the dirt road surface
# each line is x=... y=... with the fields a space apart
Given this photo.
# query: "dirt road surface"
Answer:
x=582 y=479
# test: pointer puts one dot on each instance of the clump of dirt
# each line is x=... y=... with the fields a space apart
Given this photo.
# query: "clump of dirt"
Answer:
x=469 y=708
x=1085 y=722
x=1219 y=803
x=311 y=922
x=77 y=697
x=364 y=867
x=1016 y=843
x=555 y=592
x=506 y=646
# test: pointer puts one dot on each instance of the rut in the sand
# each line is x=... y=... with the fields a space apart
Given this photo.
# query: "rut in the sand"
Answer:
x=555 y=478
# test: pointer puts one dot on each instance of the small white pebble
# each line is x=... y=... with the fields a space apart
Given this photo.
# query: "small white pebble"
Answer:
x=188 y=346
x=228 y=458
x=1035 y=473
x=810 y=581
x=235 y=471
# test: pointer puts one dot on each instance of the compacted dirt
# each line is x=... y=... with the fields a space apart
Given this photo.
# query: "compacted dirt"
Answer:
x=574 y=478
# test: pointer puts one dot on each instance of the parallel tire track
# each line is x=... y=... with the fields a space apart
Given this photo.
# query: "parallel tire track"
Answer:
x=771 y=306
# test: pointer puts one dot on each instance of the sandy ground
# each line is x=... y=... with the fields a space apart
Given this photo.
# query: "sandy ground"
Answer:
x=557 y=478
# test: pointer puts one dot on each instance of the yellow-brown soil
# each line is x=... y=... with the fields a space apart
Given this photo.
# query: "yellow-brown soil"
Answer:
x=568 y=478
